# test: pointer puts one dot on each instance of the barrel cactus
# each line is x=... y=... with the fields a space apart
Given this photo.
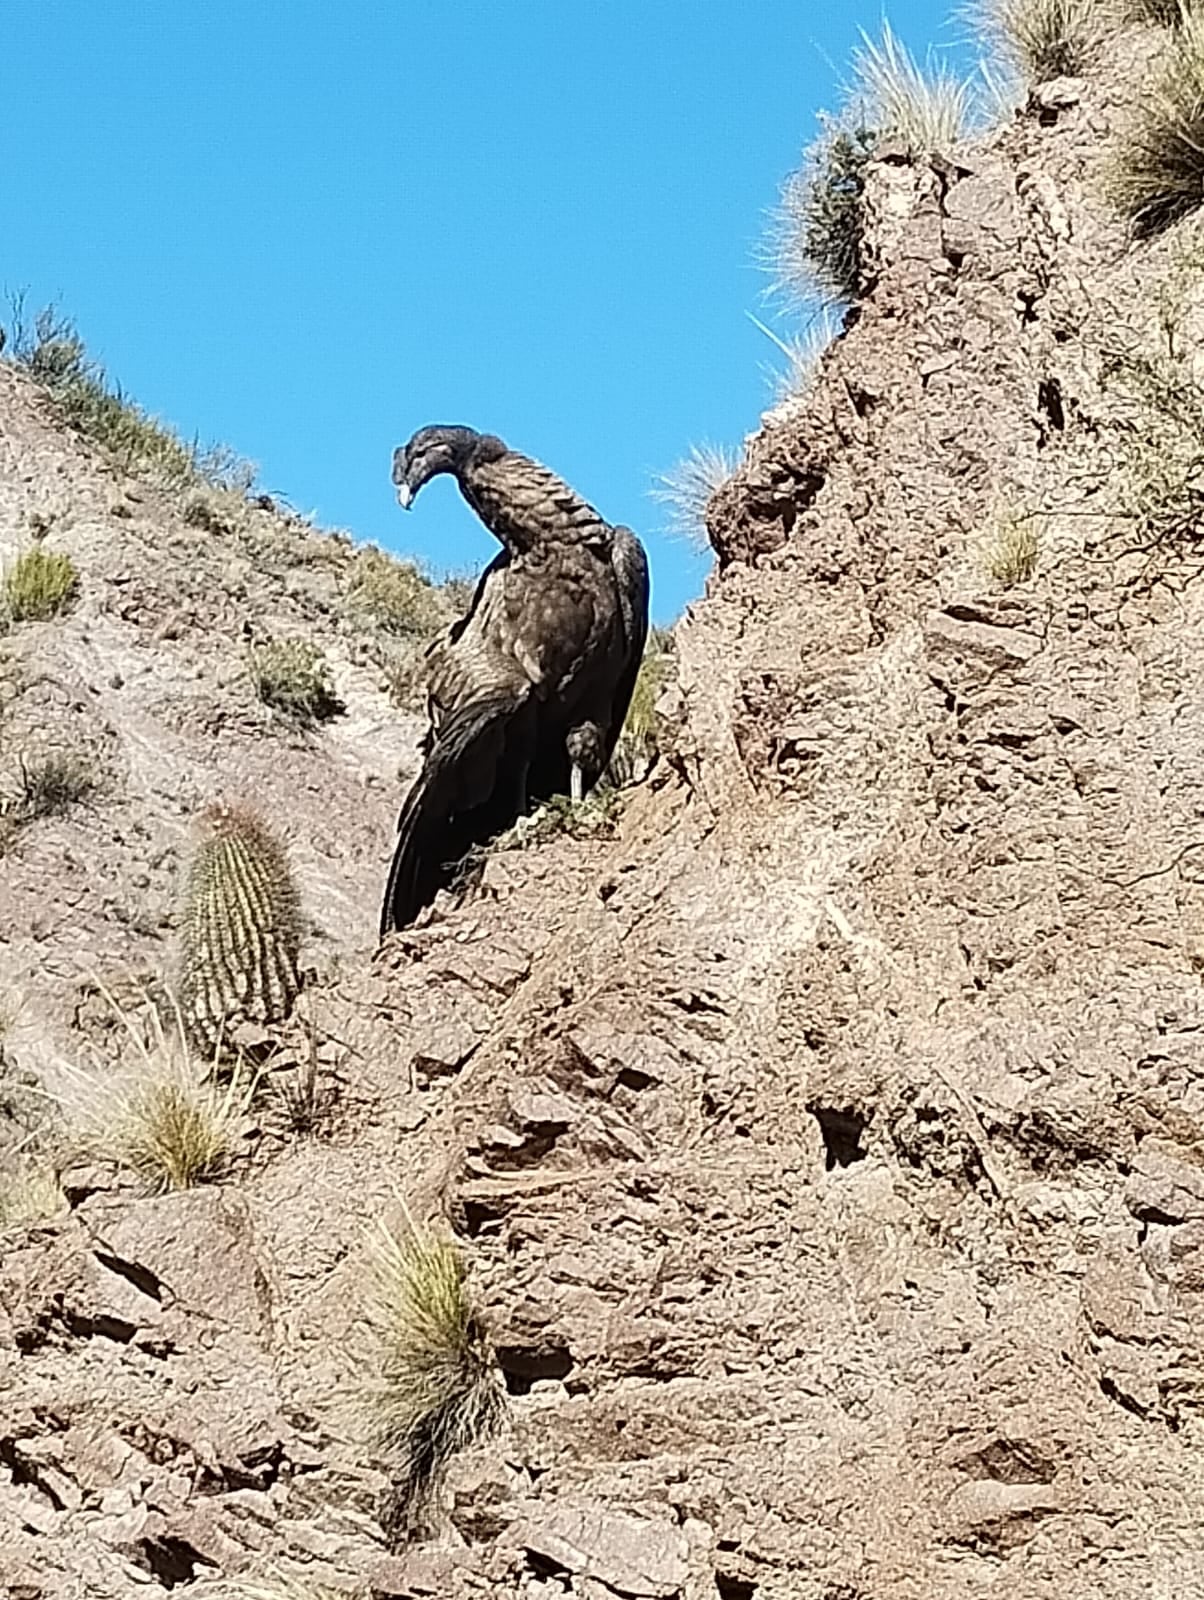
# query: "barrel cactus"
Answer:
x=241 y=929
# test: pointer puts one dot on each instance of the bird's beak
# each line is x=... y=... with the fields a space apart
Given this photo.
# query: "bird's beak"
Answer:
x=405 y=496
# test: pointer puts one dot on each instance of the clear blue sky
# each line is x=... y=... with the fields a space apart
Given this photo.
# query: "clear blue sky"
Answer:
x=308 y=228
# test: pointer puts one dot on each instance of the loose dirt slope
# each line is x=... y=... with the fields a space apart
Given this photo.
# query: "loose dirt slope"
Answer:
x=827 y=1143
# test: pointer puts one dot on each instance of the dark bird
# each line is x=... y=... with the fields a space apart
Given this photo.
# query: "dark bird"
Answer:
x=526 y=694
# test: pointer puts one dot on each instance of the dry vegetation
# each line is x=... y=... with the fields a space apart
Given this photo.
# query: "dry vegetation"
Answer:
x=29 y=1193
x=292 y=677
x=1043 y=39
x=39 y=584
x=1156 y=171
x=53 y=352
x=1014 y=548
x=429 y=1385
x=686 y=488
x=157 y=1115
x=392 y=595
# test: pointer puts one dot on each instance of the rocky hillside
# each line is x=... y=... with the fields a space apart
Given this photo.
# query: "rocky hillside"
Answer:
x=823 y=1132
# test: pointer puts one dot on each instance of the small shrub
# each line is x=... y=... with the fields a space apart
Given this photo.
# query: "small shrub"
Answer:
x=29 y=1193
x=926 y=109
x=392 y=594
x=53 y=352
x=430 y=1386
x=1159 y=432
x=637 y=745
x=1155 y=175
x=159 y=1116
x=39 y=585
x=292 y=677
x=1045 y=39
x=51 y=784
x=1012 y=557
x=686 y=489
x=818 y=225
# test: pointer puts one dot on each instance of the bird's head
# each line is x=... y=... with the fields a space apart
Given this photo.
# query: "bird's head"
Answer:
x=431 y=451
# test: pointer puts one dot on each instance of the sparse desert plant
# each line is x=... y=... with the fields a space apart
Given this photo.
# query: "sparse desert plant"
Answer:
x=53 y=352
x=241 y=930
x=816 y=231
x=801 y=353
x=52 y=783
x=292 y=677
x=1159 y=434
x=39 y=584
x=158 y=1114
x=1044 y=39
x=29 y=1192
x=392 y=594
x=1014 y=547
x=686 y=489
x=428 y=1385
x=924 y=108
x=636 y=746
x=1155 y=175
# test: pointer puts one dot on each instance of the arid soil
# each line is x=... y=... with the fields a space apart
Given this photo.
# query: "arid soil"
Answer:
x=825 y=1135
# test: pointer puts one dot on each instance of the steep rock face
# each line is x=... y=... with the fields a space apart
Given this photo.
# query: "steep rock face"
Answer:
x=828 y=1143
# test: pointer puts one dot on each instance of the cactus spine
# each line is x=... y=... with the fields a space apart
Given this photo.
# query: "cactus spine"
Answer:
x=242 y=929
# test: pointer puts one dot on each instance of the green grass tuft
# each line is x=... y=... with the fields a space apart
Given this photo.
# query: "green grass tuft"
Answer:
x=1012 y=555
x=430 y=1386
x=393 y=595
x=158 y=1115
x=29 y=1193
x=638 y=743
x=53 y=352
x=39 y=585
x=292 y=677
x=1155 y=174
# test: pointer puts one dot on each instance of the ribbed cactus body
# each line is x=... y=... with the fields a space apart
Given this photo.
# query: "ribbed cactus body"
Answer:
x=242 y=929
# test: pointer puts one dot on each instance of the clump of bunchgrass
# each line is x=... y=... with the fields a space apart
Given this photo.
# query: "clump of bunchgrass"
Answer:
x=53 y=352
x=429 y=1385
x=1155 y=175
x=685 y=490
x=816 y=237
x=817 y=228
x=1157 y=13
x=158 y=1114
x=1159 y=433
x=925 y=108
x=1011 y=556
x=52 y=783
x=39 y=585
x=637 y=744
x=280 y=1587
x=393 y=595
x=1044 y=39
x=292 y=677
x=29 y=1192
x=801 y=354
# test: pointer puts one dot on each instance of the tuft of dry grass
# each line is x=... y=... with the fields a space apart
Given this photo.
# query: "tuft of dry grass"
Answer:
x=1044 y=39
x=52 y=783
x=429 y=1385
x=926 y=108
x=1155 y=173
x=292 y=677
x=159 y=1116
x=39 y=585
x=686 y=489
x=53 y=352
x=1014 y=548
x=801 y=353
x=392 y=594
x=1156 y=13
x=280 y=1587
x=29 y=1193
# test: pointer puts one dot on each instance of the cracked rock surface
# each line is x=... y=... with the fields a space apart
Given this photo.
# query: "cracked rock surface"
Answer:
x=826 y=1137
